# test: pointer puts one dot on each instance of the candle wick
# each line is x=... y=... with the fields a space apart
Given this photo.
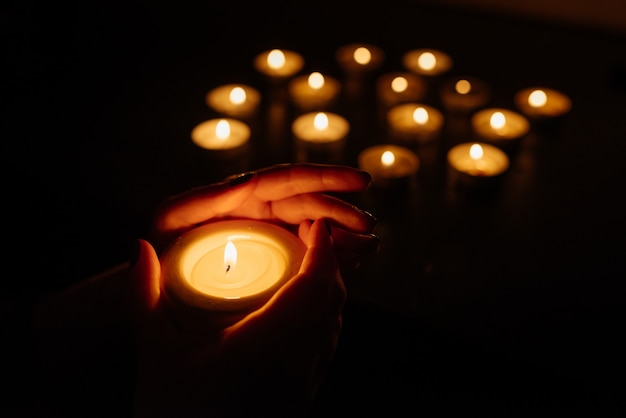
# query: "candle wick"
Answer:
x=227 y=268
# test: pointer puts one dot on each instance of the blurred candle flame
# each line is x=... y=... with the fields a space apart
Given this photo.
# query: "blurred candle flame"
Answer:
x=497 y=120
x=320 y=121
x=476 y=152
x=420 y=115
x=316 y=80
x=427 y=61
x=463 y=86
x=387 y=158
x=399 y=84
x=237 y=95
x=537 y=98
x=362 y=55
x=222 y=129
x=276 y=58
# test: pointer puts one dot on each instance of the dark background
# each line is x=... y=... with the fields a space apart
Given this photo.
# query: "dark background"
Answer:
x=508 y=302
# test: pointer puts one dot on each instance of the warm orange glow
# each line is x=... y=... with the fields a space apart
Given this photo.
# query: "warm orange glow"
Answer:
x=320 y=121
x=276 y=59
x=476 y=152
x=427 y=61
x=362 y=55
x=399 y=84
x=316 y=80
x=237 y=95
x=420 y=115
x=497 y=120
x=230 y=256
x=387 y=158
x=537 y=98
x=222 y=129
x=463 y=86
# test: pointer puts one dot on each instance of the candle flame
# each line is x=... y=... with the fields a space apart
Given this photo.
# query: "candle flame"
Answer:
x=497 y=120
x=399 y=84
x=387 y=158
x=222 y=129
x=362 y=55
x=427 y=61
x=420 y=115
x=537 y=98
x=230 y=256
x=237 y=95
x=316 y=80
x=463 y=86
x=276 y=58
x=320 y=121
x=476 y=152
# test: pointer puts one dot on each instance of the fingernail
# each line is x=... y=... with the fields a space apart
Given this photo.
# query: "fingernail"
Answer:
x=135 y=252
x=369 y=215
x=240 y=178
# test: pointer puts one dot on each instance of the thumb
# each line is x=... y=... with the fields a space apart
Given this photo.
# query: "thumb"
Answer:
x=145 y=273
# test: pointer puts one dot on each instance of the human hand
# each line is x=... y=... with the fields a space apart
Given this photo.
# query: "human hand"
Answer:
x=288 y=194
x=270 y=363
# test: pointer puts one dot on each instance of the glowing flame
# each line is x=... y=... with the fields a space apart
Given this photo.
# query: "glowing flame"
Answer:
x=362 y=55
x=276 y=58
x=537 y=98
x=476 y=152
x=497 y=120
x=387 y=158
x=427 y=61
x=463 y=86
x=222 y=129
x=420 y=115
x=399 y=84
x=316 y=80
x=230 y=256
x=320 y=121
x=237 y=95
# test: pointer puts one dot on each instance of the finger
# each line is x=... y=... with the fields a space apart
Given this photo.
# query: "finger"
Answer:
x=299 y=208
x=197 y=205
x=145 y=275
x=349 y=241
x=285 y=180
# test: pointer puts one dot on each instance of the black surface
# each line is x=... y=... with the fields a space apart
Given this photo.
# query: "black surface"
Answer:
x=508 y=302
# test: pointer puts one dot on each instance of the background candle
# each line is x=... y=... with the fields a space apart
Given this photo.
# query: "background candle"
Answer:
x=320 y=136
x=359 y=58
x=234 y=100
x=221 y=134
x=414 y=122
x=389 y=164
x=476 y=164
x=278 y=64
x=203 y=284
x=542 y=103
x=499 y=126
x=314 y=91
x=427 y=62
x=464 y=94
x=399 y=87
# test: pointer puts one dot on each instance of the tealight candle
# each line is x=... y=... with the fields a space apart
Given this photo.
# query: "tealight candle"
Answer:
x=314 y=91
x=464 y=94
x=541 y=103
x=414 y=122
x=427 y=62
x=234 y=100
x=359 y=58
x=320 y=136
x=221 y=271
x=500 y=126
x=389 y=164
x=279 y=64
x=221 y=134
x=399 y=87
x=475 y=163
